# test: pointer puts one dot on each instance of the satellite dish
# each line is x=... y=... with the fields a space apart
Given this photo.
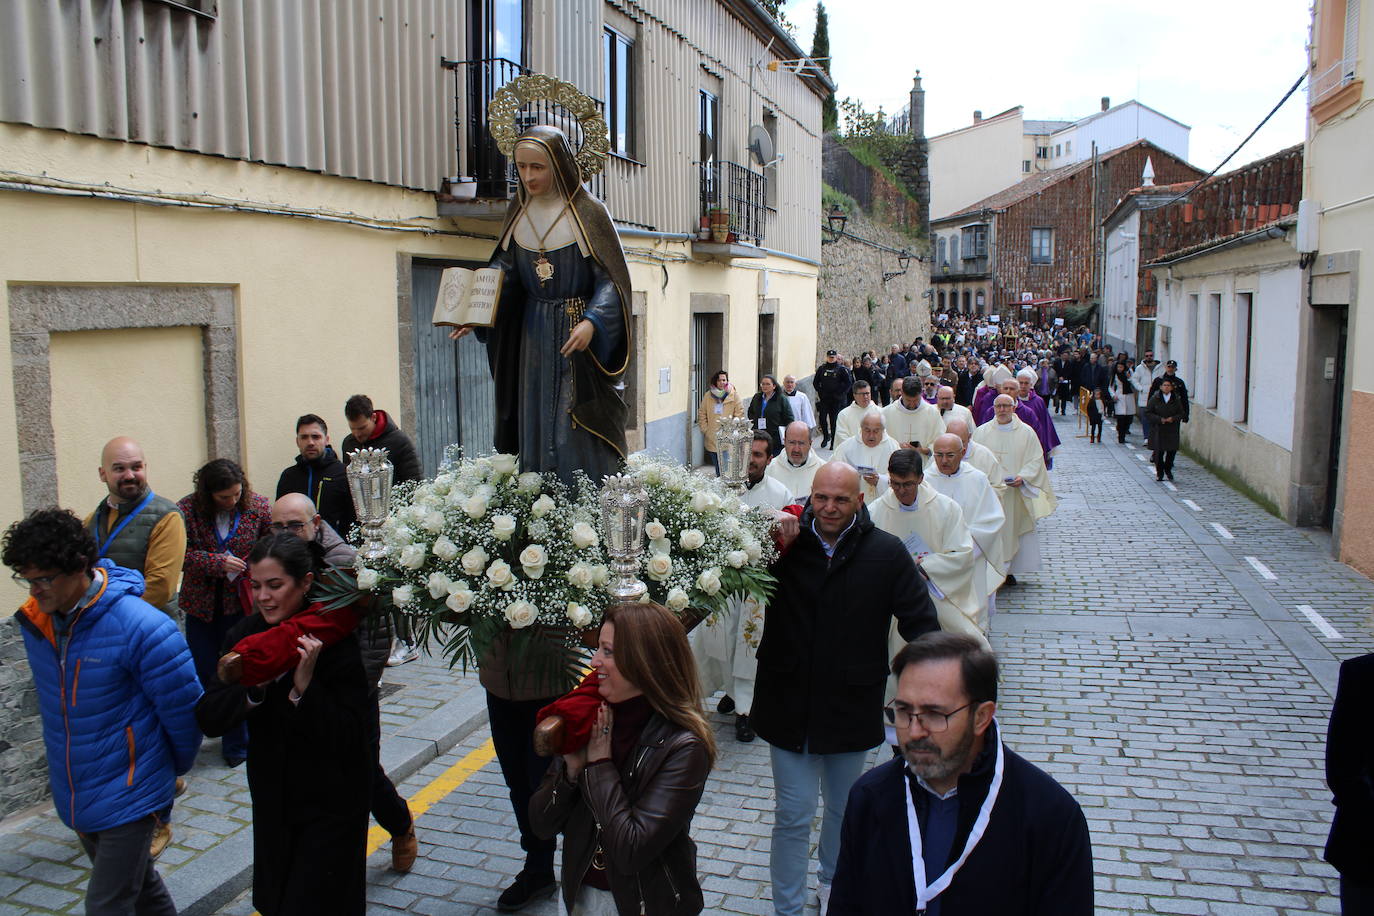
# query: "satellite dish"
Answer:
x=760 y=146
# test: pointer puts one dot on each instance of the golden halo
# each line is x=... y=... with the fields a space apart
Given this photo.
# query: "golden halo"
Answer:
x=510 y=98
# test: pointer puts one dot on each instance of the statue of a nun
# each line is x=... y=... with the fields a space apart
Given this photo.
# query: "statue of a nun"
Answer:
x=562 y=335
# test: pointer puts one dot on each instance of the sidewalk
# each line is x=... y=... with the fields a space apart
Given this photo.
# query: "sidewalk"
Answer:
x=426 y=710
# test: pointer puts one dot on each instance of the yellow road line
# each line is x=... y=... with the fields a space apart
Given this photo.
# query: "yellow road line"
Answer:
x=436 y=791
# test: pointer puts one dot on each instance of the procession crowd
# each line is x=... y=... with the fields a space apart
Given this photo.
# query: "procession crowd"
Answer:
x=893 y=550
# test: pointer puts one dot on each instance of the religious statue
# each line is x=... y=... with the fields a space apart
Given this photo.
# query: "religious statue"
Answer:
x=561 y=338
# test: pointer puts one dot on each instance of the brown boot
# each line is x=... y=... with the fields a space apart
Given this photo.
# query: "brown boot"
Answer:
x=404 y=848
x=162 y=835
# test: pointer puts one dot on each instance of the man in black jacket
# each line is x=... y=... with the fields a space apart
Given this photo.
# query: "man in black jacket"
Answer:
x=372 y=428
x=832 y=384
x=319 y=475
x=822 y=669
x=992 y=833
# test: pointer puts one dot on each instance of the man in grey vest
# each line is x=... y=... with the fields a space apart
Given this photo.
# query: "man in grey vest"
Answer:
x=137 y=529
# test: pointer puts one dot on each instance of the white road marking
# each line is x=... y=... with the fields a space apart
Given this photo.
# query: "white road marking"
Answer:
x=1170 y=485
x=1130 y=446
x=1319 y=622
x=1223 y=532
x=1142 y=458
x=1192 y=505
x=1261 y=568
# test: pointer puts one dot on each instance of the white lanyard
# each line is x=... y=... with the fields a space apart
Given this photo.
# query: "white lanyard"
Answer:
x=926 y=894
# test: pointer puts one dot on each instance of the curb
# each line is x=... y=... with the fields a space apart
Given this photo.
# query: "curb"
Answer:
x=219 y=874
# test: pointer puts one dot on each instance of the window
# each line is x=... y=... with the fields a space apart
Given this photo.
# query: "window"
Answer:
x=1042 y=152
x=954 y=250
x=967 y=310
x=1042 y=246
x=942 y=300
x=708 y=121
x=1025 y=165
x=1058 y=150
x=1244 y=343
x=618 y=57
x=940 y=252
x=1068 y=147
x=975 y=241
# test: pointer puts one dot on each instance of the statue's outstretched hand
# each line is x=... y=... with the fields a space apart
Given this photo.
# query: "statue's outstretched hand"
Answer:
x=458 y=333
x=579 y=339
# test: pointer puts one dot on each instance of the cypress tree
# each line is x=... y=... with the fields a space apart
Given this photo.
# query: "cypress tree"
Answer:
x=820 y=48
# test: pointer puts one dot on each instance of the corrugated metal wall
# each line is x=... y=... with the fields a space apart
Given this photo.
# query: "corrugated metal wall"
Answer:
x=677 y=42
x=347 y=88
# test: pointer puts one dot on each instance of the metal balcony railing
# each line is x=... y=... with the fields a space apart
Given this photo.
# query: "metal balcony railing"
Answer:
x=740 y=190
x=1329 y=80
x=474 y=84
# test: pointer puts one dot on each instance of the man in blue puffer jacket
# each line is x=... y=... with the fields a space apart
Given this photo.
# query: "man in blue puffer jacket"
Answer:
x=117 y=691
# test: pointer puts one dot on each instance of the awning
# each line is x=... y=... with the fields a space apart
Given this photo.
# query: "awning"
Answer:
x=1041 y=303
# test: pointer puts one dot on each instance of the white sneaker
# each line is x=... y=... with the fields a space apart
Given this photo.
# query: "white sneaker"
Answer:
x=823 y=896
x=403 y=652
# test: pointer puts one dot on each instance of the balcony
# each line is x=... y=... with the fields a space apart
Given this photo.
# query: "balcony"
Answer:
x=744 y=193
x=493 y=178
x=1332 y=79
x=962 y=269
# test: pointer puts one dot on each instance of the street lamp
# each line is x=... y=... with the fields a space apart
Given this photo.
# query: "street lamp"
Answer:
x=836 y=219
x=903 y=261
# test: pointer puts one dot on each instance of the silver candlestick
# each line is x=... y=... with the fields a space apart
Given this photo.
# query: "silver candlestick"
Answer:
x=623 y=500
x=734 y=435
x=369 y=480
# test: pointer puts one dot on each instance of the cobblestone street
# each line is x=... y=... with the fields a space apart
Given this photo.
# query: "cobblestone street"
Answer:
x=1172 y=665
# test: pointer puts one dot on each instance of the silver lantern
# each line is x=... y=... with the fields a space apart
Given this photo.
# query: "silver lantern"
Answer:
x=369 y=480
x=734 y=435
x=623 y=500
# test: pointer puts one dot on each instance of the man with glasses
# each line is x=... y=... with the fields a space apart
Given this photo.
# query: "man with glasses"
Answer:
x=931 y=526
x=822 y=669
x=116 y=692
x=967 y=822
x=295 y=513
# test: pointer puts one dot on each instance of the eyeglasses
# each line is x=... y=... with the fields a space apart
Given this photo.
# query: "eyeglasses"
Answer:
x=901 y=715
x=37 y=581
x=288 y=526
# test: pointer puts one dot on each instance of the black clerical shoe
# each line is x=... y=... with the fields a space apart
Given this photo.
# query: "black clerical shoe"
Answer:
x=1010 y=581
x=726 y=705
x=1169 y=474
x=527 y=888
x=743 y=730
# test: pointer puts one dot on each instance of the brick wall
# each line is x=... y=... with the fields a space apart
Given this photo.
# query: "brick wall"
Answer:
x=23 y=767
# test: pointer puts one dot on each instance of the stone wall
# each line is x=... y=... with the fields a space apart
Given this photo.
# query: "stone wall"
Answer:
x=856 y=310
x=23 y=770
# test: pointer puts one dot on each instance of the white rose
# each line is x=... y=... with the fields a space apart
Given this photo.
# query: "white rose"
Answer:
x=691 y=539
x=460 y=600
x=499 y=574
x=520 y=614
x=652 y=475
x=661 y=545
x=659 y=567
x=579 y=615
x=529 y=482
x=455 y=498
x=754 y=549
x=502 y=527
x=438 y=585
x=731 y=526
x=655 y=530
x=402 y=595
x=503 y=464
x=730 y=504
x=444 y=549
x=474 y=561
x=457 y=585
x=434 y=522
x=475 y=506
x=482 y=468
x=677 y=599
x=701 y=501
x=737 y=558
x=413 y=556
x=442 y=483
x=583 y=535
x=542 y=506
x=600 y=574
x=709 y=581
x=486 y=491
x=581 y=576
x=533 y=559
x=367 y=579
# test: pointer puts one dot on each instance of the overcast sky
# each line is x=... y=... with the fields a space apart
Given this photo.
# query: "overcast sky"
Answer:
x=1216 y=65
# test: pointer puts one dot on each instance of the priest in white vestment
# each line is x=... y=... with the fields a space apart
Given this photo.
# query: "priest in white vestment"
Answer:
x=847 y=422
x=1028 y=496
x=950 y=410
x=801 y=404
x=976 y=454
x=953 y=476
x=931 y=526
x=913 y=422
x=796 y=465
x=724 y=647
x=868 y=454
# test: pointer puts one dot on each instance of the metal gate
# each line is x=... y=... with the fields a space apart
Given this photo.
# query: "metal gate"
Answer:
x=454 y=393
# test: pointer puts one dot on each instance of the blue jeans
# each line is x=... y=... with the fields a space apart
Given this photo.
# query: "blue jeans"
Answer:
x=205 y=639
x=796 y=781
x=1144 y=424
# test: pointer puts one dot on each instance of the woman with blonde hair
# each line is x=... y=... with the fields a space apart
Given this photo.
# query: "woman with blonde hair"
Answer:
x=624 y=802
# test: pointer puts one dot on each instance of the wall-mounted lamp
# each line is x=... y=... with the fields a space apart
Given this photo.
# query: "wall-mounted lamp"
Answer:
x=835 y=220
x=903 y=261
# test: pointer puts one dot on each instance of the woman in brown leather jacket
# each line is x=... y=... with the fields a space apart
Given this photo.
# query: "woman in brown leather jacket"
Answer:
x=624 y=803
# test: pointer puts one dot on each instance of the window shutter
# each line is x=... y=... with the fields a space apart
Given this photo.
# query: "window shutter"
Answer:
x=1352 y=37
